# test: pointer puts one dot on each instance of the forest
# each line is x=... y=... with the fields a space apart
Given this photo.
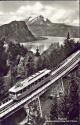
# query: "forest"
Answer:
x=18 y=63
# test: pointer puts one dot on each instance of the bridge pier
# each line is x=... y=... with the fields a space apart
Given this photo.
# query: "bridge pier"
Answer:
x=60 y=87
x=39 y=106
x=33 y=109
x=0 y=122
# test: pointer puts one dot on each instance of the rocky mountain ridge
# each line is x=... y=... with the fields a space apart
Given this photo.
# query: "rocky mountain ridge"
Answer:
x=42 y=26
x=16 y=31
x=39 y=20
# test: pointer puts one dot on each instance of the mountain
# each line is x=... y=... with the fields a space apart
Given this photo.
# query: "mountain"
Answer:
x=40 y=20
x=16 y=31
x=44 y=27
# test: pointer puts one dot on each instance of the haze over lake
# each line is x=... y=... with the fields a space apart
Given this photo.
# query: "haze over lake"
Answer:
x=44 y=44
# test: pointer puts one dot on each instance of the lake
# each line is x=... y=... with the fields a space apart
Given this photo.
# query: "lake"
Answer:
x=44 y=44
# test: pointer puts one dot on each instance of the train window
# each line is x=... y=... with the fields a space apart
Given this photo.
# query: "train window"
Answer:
x=28 y=87
x=38 y=80
x=42 y=78
x=19 y=92
x=46 y=75
x=24 y=89
x=35 y=82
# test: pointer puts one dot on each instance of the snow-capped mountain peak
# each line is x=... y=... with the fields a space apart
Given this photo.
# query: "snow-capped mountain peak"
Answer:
x=39 y=20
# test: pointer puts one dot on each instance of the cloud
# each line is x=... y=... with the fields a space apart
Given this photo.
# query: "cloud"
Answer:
x=56 y=13
x=1 y=13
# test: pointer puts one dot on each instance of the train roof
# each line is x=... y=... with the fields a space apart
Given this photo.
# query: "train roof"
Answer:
x=20 y=85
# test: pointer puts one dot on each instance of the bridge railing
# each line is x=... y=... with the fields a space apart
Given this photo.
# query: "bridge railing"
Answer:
x=75 y=55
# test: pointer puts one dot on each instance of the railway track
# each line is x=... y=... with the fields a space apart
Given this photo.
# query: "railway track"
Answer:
x=5 y=105
x=66 y=67
x=74 y=55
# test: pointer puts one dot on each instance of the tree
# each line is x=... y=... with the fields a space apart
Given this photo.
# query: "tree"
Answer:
x=21 y=69
x=62 y=106
x=15 y=51
x=39 y=64
x=53 y=112
x=23 y=50
x=30 y=67
x=1 y=87
x=73 y=110
x=69 y=47
x=3 y=59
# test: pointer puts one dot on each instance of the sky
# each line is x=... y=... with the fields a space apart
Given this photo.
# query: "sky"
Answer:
x=57 y=11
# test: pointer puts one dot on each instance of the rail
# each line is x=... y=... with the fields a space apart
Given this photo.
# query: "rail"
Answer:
x=69 y=65
x=67 y=60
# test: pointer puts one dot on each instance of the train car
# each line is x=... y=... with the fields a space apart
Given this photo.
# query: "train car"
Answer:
x=27 y=86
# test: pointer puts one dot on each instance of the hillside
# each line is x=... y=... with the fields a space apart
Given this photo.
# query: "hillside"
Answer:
x=16 y=31
x=44 y=27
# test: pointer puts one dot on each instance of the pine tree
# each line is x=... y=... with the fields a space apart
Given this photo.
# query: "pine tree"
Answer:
x=30 y=66
x=73 y=111
x=69 y=46
x=3 y=59
x=53 y=112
